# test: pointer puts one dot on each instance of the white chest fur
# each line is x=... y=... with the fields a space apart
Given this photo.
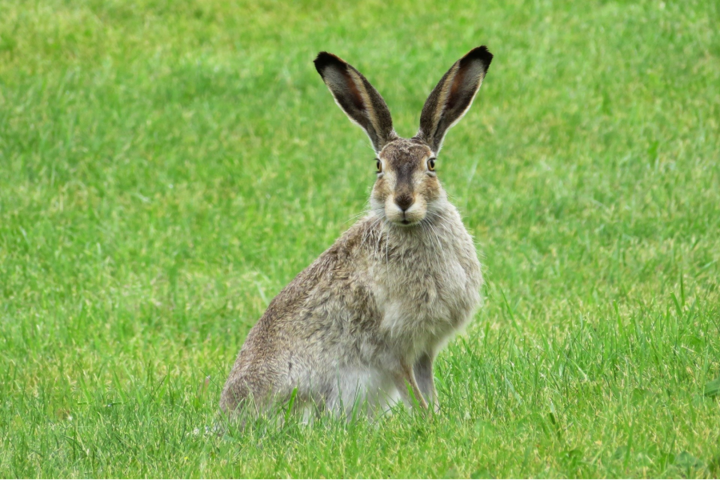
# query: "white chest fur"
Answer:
x=428 y=287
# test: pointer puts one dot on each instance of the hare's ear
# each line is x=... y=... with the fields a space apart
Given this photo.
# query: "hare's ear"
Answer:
x=453 y=96
x=358 y=99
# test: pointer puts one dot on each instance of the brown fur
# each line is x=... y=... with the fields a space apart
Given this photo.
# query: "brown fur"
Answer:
x=367 y=318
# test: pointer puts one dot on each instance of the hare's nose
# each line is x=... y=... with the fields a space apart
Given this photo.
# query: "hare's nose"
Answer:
x=404 y=201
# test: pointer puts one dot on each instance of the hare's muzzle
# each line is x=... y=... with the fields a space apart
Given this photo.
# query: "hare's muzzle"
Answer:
x=404 y=201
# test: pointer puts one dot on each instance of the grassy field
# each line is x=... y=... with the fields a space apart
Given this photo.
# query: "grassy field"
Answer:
x=166 y=167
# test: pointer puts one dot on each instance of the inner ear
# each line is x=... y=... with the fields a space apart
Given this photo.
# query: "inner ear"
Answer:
x=455 y=91
x=452 y=96
x=357 y=98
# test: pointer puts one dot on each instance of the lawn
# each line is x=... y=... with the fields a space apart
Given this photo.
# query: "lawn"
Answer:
x=166 y=167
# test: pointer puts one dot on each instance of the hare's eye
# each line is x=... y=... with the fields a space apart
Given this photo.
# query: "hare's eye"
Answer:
x=379 y=165
x=431 y=164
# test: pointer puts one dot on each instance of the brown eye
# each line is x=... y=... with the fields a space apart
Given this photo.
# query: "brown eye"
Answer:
x=379 y=166
x=431 y=164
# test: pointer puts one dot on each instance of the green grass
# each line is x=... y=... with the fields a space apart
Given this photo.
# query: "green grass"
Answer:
x=167 y=167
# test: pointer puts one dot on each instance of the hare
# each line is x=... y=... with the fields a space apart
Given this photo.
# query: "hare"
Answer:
x=366 y=320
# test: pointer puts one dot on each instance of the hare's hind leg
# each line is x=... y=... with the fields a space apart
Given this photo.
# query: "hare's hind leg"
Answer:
x=403 y=377
x=234 y=396
x=239 y=400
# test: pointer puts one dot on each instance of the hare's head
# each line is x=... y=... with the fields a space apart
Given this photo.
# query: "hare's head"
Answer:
x=407 y=188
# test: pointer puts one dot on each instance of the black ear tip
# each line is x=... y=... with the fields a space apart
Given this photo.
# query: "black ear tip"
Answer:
x=325 y=59
x=480 y=53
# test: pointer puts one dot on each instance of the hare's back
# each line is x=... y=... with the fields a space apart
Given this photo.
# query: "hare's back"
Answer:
x=312 y=327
